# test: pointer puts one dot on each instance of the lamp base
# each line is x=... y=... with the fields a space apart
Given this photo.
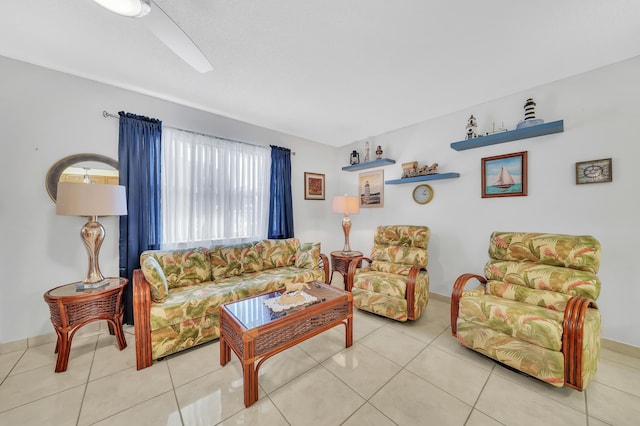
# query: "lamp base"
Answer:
x=92 y=234
x=89 y=286
x=346 y=227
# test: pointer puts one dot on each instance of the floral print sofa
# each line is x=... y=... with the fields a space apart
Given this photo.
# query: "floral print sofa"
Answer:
x=396 y=283
x=535 y=310
x=177 y=293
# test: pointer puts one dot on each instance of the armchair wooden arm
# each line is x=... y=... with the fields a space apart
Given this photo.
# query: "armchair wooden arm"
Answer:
x=410 y=292
x=572 y=334
x=324 y=264
x=142 y=319
x=456 y=293
x=351 y=270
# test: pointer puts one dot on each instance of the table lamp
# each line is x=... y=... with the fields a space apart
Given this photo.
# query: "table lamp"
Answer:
x=92 y=200
x=346 y=205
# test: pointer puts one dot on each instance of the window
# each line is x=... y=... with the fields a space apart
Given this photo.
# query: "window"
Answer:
x=214 y=191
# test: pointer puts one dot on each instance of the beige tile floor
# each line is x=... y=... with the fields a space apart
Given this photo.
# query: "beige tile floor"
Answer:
x=394 y=374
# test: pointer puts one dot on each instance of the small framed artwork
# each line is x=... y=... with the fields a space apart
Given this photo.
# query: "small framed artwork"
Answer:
x=504 y=175
x=593 y=171
x=371 y=189
x=313 y=186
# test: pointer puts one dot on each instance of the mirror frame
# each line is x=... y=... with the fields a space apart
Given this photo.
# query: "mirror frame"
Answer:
x=54 y=173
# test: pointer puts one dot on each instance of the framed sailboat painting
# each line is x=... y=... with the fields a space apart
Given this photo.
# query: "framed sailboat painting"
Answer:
x=504 y=175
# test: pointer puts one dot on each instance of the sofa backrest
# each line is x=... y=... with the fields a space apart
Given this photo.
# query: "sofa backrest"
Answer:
x=232 y=260
x=278 y=253
x=403 y=245
x=193 y=266
x=543 y=269
x=182 y=267
x=568 y=251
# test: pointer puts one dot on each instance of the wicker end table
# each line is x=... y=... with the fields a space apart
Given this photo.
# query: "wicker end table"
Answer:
x=255 y=333
x=72 y=308
x=340 y=262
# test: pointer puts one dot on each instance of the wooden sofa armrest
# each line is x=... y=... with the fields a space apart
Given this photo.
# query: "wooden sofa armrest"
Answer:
x=142 y=319
x=351 y=270
x=456 y=293
x=324 y=264
x=410 y=292
x=572 y=339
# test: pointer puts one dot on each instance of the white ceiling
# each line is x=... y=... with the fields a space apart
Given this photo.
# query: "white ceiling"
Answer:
x=331 y=71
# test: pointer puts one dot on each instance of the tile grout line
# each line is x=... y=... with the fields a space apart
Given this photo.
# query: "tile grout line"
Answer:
x=86 y=383
x=175 y=393
x=24 y=352
x=368 y=400
x=473 y=407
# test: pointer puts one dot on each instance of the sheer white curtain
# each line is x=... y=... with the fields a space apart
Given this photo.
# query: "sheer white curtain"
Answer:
x=214 y=191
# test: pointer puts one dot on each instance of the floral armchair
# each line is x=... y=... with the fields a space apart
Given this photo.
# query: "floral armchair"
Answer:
x=535 y=309
x=395 y=284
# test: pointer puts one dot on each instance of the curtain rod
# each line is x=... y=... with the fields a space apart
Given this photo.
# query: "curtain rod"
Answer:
x=107 y=114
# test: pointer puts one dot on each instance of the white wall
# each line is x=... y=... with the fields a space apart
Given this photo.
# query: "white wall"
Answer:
x=47 y=115
x=599 y=110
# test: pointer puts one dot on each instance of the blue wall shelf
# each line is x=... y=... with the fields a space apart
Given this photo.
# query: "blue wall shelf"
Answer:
x=422 y=178
x=512 y=135
x=369 y=164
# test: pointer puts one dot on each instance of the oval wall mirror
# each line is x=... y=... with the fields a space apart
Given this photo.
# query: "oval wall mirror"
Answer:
x=89 y=168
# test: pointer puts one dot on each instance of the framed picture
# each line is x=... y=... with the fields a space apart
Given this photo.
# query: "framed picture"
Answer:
x=504 y=175
x=593 y=171
x=313 y=186
x=371 y=189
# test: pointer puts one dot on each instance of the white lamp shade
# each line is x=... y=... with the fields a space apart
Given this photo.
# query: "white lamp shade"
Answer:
x=90 y=199
x=128 y=8
x=345 y=204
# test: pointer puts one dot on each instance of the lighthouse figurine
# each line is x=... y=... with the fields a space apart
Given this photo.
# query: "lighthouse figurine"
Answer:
x=529 y=115
x=472 y=128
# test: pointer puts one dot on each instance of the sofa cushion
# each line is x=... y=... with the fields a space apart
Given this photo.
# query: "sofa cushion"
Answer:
x=154 y=275
x=402 y=235
x=380 y=282
x=277 y=253
x=569 y=251
x=380 y=304
x=537 y=325
x=287 y=274
x=252 y=260
x=536 y=361
x=308 y=256
x=400 y=254
x=391 y=268
x=186 y=303
x=234 y=260
x=182 y=267
x=566 y=281
x=543 y=298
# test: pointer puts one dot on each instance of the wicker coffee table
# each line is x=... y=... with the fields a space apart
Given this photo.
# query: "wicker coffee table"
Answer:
x=256 y=333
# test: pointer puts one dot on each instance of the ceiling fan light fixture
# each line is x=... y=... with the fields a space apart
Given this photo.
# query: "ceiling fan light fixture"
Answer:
x=128 y=8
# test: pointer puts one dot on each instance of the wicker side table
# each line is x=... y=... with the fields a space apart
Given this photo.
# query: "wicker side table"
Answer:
x=71 y=309
x=340 y=262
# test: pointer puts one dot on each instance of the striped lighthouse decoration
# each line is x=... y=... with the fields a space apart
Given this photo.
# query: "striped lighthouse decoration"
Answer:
x=529 y=115
x=529 y=110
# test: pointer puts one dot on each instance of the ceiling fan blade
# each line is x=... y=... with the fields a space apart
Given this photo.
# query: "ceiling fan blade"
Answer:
x=166 y=29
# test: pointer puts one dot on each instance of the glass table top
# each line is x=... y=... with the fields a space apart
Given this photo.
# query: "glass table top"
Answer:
x=252 y=312
x=73 y=289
